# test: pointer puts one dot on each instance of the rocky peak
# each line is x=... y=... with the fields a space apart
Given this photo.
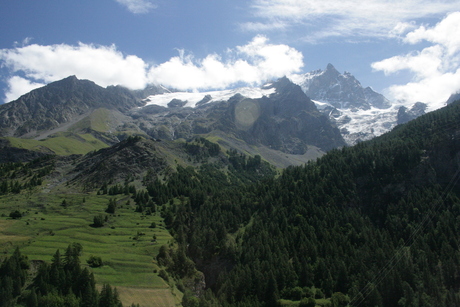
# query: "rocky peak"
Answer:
x=342 y=91
x=60 y=102
x=331 y=71
x=405 y=114
x=453 y=97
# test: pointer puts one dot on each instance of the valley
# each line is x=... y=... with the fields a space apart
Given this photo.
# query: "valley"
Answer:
x=229 y=200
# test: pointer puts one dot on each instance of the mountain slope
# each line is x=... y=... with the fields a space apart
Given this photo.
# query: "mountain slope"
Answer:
x=340 y=90
x=58 y=103
x=360 y=113
x=279 y=116
x=382 y=213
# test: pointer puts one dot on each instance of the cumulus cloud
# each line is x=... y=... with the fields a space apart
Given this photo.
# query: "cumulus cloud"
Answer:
x=435 y=68
x=371 y=18
x=252 y=63
x=105 y=65
x=137 y=6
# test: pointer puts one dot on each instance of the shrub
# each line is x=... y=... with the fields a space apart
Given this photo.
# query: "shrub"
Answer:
x=15 y=214
x=98 y=221
x=95 y=261
x=307 y=302
x=163 y=275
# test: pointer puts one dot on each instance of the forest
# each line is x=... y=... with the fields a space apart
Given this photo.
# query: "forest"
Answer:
x=369 y=225
x=61 y=283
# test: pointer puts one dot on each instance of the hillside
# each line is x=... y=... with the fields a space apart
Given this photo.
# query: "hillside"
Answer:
x=371 y=225
x=107 y=202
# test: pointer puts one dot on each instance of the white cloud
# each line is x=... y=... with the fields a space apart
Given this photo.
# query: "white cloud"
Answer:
x=435 y=69
x=137 y=6
x=253 y=63
x=104 y=65
x=371 y=18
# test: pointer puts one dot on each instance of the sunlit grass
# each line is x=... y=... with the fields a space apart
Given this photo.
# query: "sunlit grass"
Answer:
x=48 y=225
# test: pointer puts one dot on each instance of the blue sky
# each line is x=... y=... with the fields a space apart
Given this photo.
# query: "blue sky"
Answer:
x=409 y=50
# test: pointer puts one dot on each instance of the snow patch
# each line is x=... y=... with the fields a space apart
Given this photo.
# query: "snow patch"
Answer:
x=192 y=98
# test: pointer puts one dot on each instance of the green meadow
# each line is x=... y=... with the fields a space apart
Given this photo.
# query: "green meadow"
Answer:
x=125 y=243
x=63 y=143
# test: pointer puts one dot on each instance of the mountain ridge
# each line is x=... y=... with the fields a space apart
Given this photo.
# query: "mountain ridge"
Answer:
x=277 y=117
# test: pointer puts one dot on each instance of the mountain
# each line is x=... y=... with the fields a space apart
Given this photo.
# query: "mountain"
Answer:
x=453 y=97
x=277 y=121
x=405 y=114
x=278 y=116
x=342 y=91
x=382 y=213
x=360 y=113
x=59 y=103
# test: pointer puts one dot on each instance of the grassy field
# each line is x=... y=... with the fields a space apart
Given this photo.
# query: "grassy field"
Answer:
x=63 y=143
x=125 y=243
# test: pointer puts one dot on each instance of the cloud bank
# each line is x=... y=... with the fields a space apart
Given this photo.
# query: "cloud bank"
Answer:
x=345 y=18
x=137 y=6
x=436 y=68
x=34 y=65
x=253 y=63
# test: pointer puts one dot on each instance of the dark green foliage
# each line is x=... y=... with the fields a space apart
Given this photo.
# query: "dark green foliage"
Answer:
x=13 y=274
x=15 y=177
x=109 y=297
x=333 y=224
x=15 y=214
x=201 y=148
x=61 y=283
x=94 y=261
x=98 y=221
x=164 y=275
x=111 y=206
x=307 y=302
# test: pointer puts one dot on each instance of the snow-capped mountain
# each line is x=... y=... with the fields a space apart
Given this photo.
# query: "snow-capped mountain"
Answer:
x=360 y=113
x=342 y=91
x=278 y=115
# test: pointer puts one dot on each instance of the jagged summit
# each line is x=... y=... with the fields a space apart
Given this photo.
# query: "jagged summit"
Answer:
x=339 y=90
x=360 y=113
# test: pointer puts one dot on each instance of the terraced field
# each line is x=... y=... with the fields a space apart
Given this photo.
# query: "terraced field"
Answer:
x=125 y=243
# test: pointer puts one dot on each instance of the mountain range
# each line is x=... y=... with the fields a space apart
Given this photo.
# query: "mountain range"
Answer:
x=277 y=121
x=258 y=117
